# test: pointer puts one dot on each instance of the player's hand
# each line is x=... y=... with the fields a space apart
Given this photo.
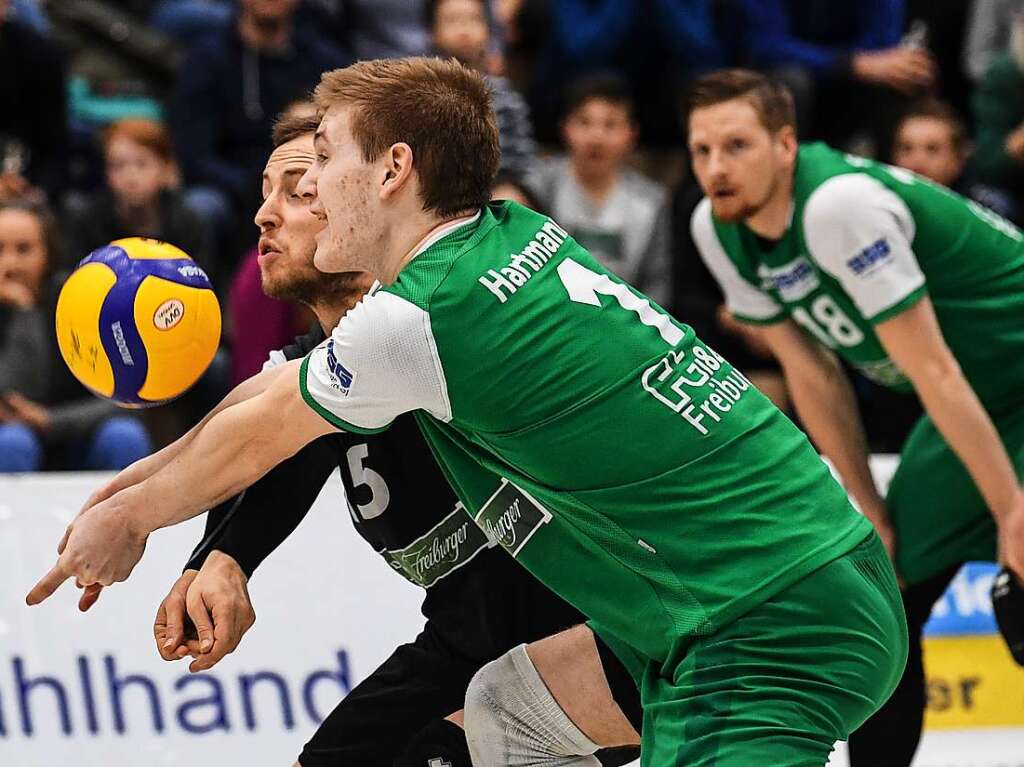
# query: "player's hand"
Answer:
x=907 y=70
x=28 y=412
x=102 y=546
x=219 y=606
x=13 y=293
x=172 y=628
x=1011 y=538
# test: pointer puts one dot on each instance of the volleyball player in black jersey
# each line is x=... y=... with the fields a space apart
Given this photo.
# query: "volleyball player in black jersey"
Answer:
x=479 y=603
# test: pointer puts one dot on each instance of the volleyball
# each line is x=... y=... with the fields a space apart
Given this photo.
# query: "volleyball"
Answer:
x=138 y=322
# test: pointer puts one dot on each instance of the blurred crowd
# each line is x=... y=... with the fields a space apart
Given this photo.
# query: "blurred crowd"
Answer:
x=153 y=118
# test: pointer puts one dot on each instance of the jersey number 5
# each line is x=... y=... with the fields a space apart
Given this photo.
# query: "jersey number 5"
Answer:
x=360 y=475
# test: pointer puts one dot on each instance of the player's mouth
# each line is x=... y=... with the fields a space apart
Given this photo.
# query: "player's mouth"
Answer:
x=268 y=251
x=723 y=194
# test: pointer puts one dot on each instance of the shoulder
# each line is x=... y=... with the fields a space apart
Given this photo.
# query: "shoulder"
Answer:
x=843 y=199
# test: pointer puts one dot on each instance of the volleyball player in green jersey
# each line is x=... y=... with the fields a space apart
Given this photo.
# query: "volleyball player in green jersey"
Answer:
x=620 y=460
x=908 y=282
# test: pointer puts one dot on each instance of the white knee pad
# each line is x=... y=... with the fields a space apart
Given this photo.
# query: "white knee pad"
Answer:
x=512 y=720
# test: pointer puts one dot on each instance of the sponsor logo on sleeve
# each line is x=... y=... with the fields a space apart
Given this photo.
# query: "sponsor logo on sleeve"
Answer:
x=878 y=252
x=791 y=281
x=341 y=377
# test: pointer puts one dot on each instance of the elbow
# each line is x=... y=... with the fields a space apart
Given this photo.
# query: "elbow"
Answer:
x=937 y=374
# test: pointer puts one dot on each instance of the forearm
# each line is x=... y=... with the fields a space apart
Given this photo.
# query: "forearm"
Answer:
x=233 y=450
x=250 y=526
x=960 y=417
x=146 y=467
x=825 y=403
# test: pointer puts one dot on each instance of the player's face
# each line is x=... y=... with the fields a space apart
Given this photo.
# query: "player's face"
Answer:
x=23 y=256
x=599 y=135
x=925 y=145
x=288 y=233
x=460 y=30
x=738 y=163
x=341 y=187
x=135 y=173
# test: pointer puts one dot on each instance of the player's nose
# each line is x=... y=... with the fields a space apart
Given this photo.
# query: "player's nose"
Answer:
x=306 y=188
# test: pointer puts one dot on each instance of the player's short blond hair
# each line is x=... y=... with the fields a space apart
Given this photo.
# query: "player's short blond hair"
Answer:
x=772 y=100
x=440 y=108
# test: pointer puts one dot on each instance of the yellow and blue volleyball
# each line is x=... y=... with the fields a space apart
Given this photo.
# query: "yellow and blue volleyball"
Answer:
x=138 y=322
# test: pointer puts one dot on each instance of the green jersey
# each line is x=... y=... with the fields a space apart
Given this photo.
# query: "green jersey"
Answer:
x=866 y=242
x=618 y=458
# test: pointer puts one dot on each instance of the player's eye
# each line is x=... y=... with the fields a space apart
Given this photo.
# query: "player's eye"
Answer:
x=737 y=145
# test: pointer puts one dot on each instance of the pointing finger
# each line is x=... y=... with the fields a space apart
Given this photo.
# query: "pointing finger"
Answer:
x=47 y=585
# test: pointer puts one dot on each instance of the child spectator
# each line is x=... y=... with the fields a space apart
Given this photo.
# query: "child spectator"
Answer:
x=619 y=215
x=931 y=140
x=461 y=28
x=140 y=198
x=46 y=417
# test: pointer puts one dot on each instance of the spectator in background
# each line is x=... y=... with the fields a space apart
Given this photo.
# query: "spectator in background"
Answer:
x=844 y=62
x=613 y=211
x=46 y=417
x=931 y=140
x=33 y=120
x=461 y=28
x=998 y=157
x=140 y=199
x=230 y=88
x=657 y=45
x=508 y=186
x=388 y=29
x=988 y=33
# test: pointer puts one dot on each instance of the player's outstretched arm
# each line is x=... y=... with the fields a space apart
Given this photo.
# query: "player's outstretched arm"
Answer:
x=234 y=449
x=914 y=341
x=146 y=467
x=825 y=402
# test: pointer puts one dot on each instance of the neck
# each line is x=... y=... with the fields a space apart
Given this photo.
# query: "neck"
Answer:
x=264 y=36
x=142 y=218
x=597 y=184
x=406 y=243
x=772 y=219
x=329 y=315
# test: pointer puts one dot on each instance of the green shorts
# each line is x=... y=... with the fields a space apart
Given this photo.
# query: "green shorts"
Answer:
x=939 y=516
x=785 y=681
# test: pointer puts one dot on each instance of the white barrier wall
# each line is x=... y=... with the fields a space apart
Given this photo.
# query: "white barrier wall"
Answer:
x=90 y=690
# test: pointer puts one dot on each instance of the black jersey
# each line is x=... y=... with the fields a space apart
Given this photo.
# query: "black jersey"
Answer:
x=479 y=600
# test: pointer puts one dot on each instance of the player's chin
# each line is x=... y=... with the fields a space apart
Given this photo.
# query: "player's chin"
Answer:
x=728 y=210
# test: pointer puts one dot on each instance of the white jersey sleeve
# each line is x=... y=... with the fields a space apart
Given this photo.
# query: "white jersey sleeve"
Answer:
x=275 y=358
x=860 y=232
x=745 y=300
x=381 y=361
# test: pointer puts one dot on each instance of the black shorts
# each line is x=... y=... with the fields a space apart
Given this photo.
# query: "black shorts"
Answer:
x=421 y=682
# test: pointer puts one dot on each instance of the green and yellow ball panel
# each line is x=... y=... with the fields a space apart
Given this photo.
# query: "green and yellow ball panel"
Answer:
x=138 y=322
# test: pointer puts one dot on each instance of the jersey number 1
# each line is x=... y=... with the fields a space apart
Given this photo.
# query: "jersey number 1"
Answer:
x=584 y=285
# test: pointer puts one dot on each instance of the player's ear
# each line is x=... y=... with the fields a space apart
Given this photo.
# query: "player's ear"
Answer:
x=398 y=167
x=786 y=140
